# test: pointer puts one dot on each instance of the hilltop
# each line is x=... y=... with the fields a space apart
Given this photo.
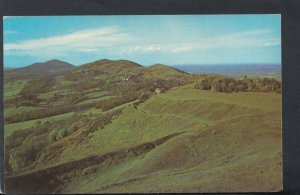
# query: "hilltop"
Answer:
x=37 y=69
x=109 y=66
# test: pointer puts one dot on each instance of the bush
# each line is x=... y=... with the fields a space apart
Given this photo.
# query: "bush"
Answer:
x=52 y=136
x=61 y=134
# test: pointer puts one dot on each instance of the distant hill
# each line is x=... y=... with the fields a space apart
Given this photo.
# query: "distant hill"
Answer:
x=49 y=67
x=162 y=71
x=9 y=68
x=108 y=66
x=127 y=68
x=166 y=68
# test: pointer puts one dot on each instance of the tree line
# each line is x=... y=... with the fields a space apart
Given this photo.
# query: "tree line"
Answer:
x=229 y=85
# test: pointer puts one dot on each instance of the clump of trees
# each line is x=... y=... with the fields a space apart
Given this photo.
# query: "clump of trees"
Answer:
x=89 y=84
x=78 y=75
x=37 y=114
x=47 y=112
x=37 y=86
x=229 y=85
x=23 y=147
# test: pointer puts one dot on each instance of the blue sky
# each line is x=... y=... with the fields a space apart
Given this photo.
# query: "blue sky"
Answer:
x=169 y=39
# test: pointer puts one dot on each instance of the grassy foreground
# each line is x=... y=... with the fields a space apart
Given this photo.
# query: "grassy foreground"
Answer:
x=227 y=142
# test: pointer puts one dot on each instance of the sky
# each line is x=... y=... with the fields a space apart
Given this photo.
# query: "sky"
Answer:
x=166 y=39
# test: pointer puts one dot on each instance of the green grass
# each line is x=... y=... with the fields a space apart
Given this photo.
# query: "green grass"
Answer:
x=236 y=140
x=11 y=91
x=12 y=111
x=53 y=92
x=227 y=140
x=93 y=111
x=182 y=109
x=96 y=94
x=10 y=128
x=257 y=100
x=95 y=100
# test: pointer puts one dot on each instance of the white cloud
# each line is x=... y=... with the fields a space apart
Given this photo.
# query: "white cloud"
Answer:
x=246 y=39
x=9 y=32
x=182 y=49
x=152 y=48
x=272 y=42
x=113 y=40
x=139 y=48
x=174 y=48
x=252 y=32
x=90 y=40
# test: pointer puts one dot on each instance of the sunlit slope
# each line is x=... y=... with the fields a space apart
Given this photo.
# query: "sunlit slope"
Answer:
x=184 y=140
x=228 y=142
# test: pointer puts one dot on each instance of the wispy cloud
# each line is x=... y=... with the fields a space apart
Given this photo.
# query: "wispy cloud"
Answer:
x=253 y=38
x=9 y=32
x=113 y=39
x=90 y=40
x=245 y=39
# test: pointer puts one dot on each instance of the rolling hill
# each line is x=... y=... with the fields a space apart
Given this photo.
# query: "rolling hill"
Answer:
x=102 y=127
x=109 y=66
x=43 y=68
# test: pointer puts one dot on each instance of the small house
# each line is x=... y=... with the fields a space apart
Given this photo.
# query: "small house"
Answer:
x=158 y=90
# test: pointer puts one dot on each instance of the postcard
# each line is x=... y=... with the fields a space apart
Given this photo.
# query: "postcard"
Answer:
x=142 y=103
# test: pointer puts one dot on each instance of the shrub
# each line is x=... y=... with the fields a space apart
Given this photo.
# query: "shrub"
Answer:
x=52 y=136
x=61 y=134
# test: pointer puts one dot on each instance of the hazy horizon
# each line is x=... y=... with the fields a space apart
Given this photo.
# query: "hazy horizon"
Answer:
x=173 y=65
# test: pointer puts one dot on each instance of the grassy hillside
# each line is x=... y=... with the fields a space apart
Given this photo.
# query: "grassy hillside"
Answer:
x=104 y=127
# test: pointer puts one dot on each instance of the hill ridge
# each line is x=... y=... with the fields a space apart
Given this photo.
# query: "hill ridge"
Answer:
x=39 y=69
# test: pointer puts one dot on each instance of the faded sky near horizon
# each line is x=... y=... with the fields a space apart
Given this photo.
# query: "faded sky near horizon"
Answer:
x=169 y=39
